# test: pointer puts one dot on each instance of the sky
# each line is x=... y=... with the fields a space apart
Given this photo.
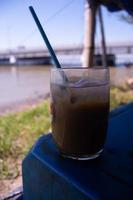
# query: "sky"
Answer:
x=63 y=22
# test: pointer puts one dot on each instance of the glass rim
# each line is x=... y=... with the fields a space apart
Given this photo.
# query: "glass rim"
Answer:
x=105 y=80
x=80 y=68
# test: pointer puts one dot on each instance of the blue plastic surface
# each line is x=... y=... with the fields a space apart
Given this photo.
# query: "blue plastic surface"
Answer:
x=48 y=176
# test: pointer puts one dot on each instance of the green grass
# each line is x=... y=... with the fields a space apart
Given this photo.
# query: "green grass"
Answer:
x=120 y=96
x=19 y=131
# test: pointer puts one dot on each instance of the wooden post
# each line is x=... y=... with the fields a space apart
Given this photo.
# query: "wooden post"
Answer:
x=104 y=56
x=89 y=37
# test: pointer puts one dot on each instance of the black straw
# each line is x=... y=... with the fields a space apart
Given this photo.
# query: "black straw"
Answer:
x=52 y=53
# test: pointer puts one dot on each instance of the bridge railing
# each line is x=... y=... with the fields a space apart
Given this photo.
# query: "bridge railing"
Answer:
x=118 y=49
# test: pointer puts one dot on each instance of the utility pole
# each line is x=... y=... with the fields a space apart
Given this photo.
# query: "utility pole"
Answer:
x=89 y=37
x=103 y=42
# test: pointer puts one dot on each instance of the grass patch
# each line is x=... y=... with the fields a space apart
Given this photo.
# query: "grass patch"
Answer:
x=120 y=96
x=19 y=131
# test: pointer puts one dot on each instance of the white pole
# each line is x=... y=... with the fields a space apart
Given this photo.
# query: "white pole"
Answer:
x=89 y=32
x=104 y=55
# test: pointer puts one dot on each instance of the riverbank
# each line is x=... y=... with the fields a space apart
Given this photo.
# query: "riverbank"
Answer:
x=23 y=123
x=23 y=105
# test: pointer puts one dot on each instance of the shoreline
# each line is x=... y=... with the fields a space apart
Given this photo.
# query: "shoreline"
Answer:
x=22 y=105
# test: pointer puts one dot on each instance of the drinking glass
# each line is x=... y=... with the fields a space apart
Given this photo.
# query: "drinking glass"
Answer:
x=80 y=108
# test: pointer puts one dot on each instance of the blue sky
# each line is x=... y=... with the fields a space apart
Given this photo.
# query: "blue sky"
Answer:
x=64 y=26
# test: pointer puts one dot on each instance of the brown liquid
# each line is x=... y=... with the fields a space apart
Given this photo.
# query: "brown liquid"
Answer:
x=79 y=128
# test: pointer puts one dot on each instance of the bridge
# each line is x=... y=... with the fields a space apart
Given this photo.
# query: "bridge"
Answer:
x=24 y=52
x=41 y=54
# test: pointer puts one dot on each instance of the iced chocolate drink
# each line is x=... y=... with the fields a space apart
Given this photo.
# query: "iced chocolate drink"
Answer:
x=80 y=110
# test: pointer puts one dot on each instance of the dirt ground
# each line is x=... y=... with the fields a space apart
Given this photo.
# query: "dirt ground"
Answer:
x=22 y=105
x=9 y=185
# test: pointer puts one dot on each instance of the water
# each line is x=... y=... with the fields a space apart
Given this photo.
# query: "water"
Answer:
x=23 y=83
x=124 y=58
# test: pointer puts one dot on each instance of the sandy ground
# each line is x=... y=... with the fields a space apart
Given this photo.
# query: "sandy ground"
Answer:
x=9 y=185
x=22 y=105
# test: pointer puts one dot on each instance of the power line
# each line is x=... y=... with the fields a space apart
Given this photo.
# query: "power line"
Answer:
x=60 y=10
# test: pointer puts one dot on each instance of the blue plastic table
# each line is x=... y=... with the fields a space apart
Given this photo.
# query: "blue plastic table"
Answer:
x=48 y=176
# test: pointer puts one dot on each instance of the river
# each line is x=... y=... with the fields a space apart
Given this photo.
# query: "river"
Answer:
x=24 y=83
